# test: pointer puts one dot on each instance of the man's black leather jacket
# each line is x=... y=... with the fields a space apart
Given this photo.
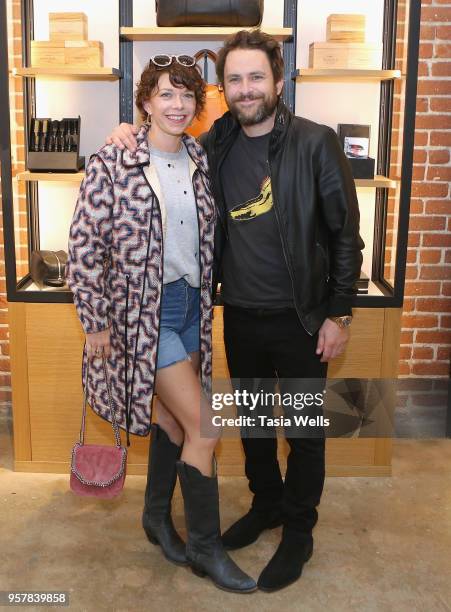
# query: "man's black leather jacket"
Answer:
x=316 y=208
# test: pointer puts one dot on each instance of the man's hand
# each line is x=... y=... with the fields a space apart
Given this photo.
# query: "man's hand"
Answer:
x=98 y=344
x=124 y=136
x=331 y=340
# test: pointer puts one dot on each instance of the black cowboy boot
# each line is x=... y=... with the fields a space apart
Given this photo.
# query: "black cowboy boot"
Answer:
x=265 y=482
x=204 y=549
x=161 y=478
x=303 y=487
x=285 y=567
x=248 y=528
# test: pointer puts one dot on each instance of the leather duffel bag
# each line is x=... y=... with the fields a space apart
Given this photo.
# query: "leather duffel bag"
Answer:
x=239 y=13
x=48 y=268
x=215 y=105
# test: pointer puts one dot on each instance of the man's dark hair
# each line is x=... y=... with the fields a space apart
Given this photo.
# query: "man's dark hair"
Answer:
x=255 y=39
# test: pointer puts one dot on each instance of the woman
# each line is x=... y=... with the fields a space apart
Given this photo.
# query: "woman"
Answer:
x=152 y=321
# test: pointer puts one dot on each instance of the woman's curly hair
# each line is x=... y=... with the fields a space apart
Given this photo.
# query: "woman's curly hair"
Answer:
x=179 y=76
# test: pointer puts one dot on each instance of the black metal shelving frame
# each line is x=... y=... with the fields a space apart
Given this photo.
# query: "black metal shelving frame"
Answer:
x=392 y=296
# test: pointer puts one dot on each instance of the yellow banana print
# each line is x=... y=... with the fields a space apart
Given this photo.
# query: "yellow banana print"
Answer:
x=255 y=207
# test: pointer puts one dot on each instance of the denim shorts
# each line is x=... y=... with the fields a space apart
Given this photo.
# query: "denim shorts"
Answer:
x=179 y=323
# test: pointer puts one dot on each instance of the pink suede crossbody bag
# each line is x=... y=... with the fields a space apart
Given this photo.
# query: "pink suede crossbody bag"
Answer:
x=98 y=470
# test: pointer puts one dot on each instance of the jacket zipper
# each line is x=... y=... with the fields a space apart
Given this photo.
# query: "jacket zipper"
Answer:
x=161 y=292
x=127 y=399
x=221 y=194
x=284 y=249
x=142 y=299
x=217 y=166
x=199 y=246
x=200 y=268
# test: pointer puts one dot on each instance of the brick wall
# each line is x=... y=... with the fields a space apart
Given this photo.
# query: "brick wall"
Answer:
x=14 y=53
x=397 y=136
x=18 y=163
x=426 y=323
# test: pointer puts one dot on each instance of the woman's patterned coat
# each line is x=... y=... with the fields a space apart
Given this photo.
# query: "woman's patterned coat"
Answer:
x=115 y=271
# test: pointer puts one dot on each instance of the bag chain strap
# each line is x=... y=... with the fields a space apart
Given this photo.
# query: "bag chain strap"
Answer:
x=114 y=424
x=96 y=483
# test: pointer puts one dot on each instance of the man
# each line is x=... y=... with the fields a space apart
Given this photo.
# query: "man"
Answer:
x=288 y=253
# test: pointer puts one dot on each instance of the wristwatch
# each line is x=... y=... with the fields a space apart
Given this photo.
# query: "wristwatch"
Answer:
x=342 y=322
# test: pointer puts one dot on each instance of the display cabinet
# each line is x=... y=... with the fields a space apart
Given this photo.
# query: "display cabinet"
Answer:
x=382 y=98
x=43 y=322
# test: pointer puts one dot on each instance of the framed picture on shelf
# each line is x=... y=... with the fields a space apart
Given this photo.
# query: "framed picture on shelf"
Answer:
x=355 y=139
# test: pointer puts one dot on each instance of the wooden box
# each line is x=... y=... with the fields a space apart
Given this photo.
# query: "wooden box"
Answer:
x=83 y=53
x=345 y=28
x=68 y=26
x=345 y=55
x=48 y=53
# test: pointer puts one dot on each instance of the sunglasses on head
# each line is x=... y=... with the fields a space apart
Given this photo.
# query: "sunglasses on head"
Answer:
x=162 y=60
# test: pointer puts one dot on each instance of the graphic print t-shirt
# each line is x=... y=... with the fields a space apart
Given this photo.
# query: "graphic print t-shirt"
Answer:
x=255 y=273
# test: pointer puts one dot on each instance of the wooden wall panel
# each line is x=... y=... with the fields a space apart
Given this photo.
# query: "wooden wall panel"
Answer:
x=362 y=358
x=19 y=381
x=46 y=350
x=55 y=343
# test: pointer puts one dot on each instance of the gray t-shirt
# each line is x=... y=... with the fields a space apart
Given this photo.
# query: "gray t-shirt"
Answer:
x=181 y=242
x=254 y=270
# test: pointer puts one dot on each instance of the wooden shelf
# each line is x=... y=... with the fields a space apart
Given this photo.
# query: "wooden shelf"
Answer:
x=57 y=177
x=338 y=74
x=68 y=72
x=378 y=181
x=77 y=177
x=195 y=33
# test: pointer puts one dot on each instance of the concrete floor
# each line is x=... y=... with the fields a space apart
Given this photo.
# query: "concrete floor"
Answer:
x=382 y=544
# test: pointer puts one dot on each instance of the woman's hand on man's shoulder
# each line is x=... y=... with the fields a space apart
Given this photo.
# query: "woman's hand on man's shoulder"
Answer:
x=123 y=136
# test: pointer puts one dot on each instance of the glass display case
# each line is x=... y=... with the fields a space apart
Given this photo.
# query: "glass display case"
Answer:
x=378 y=95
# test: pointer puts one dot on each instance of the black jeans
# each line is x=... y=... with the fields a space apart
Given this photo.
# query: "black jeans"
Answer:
x=273 y=345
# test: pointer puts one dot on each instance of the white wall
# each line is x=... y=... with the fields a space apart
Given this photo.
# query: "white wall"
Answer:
x=98 y=102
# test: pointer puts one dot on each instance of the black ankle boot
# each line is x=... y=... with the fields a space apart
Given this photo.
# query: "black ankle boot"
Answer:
x=204 y=549
x=249 y=527
x=286 y=565
x=161 y=478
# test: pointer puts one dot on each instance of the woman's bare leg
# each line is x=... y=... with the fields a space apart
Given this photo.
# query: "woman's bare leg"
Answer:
x=178 y=388
x=164 y=417
x=168 y=423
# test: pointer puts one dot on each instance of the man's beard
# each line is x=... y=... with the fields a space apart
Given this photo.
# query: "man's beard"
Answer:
x=264 y=109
